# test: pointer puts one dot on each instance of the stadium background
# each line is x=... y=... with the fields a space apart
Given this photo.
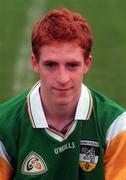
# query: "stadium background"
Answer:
x=107 y=19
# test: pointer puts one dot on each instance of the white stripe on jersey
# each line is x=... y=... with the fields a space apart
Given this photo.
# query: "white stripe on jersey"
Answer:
x=3 y=152
x=118 y=126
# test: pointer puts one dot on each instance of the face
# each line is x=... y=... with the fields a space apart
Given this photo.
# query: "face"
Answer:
x=61 y=67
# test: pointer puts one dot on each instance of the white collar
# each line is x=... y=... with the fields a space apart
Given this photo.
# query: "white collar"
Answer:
x=36 y=112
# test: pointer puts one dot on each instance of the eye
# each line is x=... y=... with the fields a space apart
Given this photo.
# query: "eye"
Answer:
x=73 y=66
x=50 y=65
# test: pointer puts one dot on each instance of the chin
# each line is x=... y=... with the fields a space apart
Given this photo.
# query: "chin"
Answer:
x=63 y=101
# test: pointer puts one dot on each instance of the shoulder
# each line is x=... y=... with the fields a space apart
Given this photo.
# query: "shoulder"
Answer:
x=102 y=102
x=12 y=109
x=106 y=111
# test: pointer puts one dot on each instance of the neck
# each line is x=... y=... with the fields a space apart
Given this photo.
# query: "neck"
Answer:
x=59 y=116
x=59 y=113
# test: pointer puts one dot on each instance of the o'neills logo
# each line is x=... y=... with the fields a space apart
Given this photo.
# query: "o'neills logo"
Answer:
x=69 y=145
x=89 y=151
x=33 y=164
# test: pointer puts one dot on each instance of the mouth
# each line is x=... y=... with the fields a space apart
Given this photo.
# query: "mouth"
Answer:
x=62 y=89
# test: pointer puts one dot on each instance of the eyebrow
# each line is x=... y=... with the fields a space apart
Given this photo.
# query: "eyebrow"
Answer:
x=49 y=61
x=53 y=60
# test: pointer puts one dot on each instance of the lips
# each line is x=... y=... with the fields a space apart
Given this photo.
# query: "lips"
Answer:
x=62 y=89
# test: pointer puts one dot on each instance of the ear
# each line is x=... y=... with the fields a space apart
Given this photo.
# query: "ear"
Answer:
x=35 y=63
x=87 y=64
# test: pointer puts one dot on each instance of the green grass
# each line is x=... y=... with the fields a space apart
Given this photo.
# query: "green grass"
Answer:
x=12 y=20
x=107 y=19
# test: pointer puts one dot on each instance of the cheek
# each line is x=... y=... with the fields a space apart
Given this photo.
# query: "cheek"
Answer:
x=43 y=73
x=78 y=77
x=47 y=79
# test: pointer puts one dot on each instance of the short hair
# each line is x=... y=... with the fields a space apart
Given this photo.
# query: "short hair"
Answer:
x=62 y=25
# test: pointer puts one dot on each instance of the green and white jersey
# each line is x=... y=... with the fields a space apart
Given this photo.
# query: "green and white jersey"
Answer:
x=92 y=148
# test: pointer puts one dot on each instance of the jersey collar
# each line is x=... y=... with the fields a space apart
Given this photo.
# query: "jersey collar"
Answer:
x=36 y=112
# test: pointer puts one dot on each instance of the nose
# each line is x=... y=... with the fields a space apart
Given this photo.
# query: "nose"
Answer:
x=63 y=75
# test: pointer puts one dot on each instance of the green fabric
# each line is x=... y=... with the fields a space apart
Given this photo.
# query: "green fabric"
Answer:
x=60 y=159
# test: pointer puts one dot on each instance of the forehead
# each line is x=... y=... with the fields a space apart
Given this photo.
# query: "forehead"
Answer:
x=61 y=50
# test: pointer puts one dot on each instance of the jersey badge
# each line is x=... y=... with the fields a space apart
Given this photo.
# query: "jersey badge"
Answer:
x=33 y=164
x=89 y=154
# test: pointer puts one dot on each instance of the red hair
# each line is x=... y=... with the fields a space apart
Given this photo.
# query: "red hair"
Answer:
x=64 y=26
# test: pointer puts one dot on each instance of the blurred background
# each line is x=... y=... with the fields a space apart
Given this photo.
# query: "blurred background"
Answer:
x=108 y=21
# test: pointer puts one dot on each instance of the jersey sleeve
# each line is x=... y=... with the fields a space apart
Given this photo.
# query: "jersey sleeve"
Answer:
x=6 y=171
x=115 y=155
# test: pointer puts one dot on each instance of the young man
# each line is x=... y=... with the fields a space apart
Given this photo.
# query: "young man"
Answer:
x=60 y=129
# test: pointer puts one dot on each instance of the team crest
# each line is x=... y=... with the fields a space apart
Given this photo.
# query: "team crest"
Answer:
x=33 y=164
x=89 y=151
